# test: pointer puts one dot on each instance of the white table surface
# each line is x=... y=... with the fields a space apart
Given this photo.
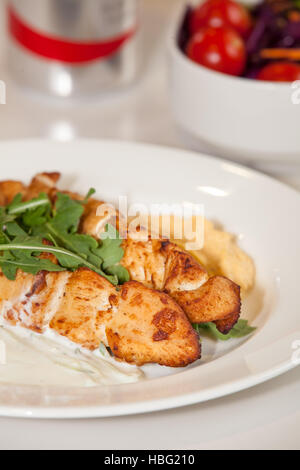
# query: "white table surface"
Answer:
x=267 y=416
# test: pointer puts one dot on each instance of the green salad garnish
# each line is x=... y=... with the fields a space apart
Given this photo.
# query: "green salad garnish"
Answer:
x=24 y=227
x=240 y=330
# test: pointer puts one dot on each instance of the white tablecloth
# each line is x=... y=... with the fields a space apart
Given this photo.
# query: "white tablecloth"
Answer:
x=267 y=416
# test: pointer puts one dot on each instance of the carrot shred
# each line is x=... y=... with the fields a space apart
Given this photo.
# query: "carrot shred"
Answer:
x=278 y=54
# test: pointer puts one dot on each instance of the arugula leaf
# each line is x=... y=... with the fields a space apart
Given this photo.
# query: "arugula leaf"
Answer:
x=18 y=207
x=3 y=238
x=5 y=218
x=24 y=226
x=36 y=217
x=90 y=193
x=14 y=258
x=14 y=230
x=16 y=200
x=110 y=251
x=66 y=258
x=240 y=330
x=81 y=244
x=31 y=265
x=120 y=272
x=9 y=270
x=67 y=214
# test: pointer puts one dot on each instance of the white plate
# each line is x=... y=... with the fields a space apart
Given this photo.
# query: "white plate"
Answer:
x=262 y=211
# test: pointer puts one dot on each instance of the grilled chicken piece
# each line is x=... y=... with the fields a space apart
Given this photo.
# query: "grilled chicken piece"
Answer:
x=139 y=325
x=42 y=183
x=164 y=266
x=92 y=224
x=148 y=326
x=9 y=189
x=217 y=300
x=203 y=299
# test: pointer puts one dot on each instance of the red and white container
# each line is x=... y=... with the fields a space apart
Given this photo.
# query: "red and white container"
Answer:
x=73 y=47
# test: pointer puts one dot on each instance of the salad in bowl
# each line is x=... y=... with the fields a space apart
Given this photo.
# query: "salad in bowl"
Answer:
x=235 y=79
x=262 y=42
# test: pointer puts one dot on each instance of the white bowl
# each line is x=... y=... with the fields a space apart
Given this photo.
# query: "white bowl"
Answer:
x=237 y=117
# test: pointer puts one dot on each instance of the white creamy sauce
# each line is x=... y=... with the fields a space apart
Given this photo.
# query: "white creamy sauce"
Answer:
x=28 y=358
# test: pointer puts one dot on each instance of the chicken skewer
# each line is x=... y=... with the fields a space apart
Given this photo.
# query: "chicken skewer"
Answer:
x=161 y=265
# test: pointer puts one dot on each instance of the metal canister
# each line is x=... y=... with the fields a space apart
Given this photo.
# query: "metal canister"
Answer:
x=73 y=47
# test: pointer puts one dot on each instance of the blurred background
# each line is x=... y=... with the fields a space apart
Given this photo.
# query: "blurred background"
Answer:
x=139 y=111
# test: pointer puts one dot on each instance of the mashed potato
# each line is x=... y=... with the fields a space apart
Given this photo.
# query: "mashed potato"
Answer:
x=221 y=255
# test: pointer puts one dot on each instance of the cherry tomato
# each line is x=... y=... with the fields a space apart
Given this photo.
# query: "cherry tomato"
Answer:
x=280 y=72
x=216 y=13
x=220 y=49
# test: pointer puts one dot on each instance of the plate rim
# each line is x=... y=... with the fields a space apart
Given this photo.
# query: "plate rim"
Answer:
x=164 y=404
x=158 y=147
